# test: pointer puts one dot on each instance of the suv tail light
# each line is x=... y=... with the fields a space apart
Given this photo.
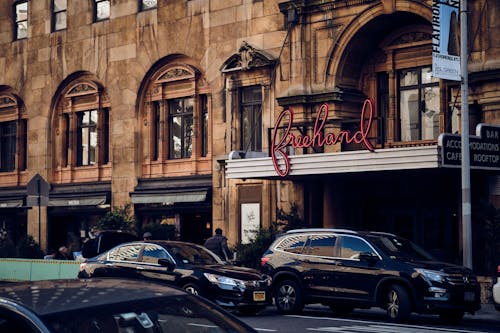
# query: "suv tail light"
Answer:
x=498 y=269
x=264 y=260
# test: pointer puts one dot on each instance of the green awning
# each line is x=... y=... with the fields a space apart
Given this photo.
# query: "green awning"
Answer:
x=11 y=203
x=75 y=201
x=168 y=198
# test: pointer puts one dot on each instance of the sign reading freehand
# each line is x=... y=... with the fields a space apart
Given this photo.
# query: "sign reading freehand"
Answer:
x=484 y=148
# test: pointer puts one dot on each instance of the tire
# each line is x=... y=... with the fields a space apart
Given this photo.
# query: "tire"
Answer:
x=398 y=304
x=288 y=297
x=192 y=288
x=451 y=316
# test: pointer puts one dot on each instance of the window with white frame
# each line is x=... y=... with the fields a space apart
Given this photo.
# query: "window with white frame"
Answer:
x=21 y=19
x=418 y=104
x=101 y=10
x=59 y=14
x=147 y=4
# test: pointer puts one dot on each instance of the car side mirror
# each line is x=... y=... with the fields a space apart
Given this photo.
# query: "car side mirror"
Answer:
x=369 y=257
x=166 y=262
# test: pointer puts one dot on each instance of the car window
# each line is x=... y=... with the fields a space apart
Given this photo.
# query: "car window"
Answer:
x=322 y=245
x=125 y=253
x=353 y=246
x=161 y=315
x=152 y=253
x=188 y=254
x=293 y=244
x=399 y=248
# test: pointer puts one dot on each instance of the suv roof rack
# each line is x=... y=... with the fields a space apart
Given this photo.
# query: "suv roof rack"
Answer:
x=381 y=233
x=346 y=231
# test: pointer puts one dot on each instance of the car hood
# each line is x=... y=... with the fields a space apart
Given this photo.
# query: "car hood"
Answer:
x=236 y=272
x=441 y=267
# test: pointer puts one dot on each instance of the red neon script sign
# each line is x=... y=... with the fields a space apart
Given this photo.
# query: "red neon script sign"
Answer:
x=318 y=138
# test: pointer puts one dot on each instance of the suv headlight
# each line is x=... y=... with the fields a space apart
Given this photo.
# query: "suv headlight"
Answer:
x=224 y=282
x=430 y=275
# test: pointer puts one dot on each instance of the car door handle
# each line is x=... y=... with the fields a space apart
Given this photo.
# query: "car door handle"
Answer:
x=139 y=268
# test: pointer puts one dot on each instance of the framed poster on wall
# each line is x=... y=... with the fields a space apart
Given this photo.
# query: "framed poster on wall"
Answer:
x=250 y=221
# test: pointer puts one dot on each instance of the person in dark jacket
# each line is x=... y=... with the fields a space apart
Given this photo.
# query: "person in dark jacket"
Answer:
x=218 y=245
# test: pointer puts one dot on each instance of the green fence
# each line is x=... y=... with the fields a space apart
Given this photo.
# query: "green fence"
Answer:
x=37 y=269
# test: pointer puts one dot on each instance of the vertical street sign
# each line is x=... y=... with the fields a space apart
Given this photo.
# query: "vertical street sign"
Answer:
x=446 y=40
x=37 y=195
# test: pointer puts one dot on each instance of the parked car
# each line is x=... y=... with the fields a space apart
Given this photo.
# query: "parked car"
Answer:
x=105 y=240
x=345 y=269
x=186 y=265
x=108 y=305
x=496 y=290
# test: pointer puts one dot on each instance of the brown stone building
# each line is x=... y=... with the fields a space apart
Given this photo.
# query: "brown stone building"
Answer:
x=175 y=107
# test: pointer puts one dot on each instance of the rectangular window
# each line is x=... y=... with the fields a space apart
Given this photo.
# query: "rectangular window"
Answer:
x=105 y=136
x=87 y=138
x=21 y=19
x=251 y=118
x=7 y=146
x=418 y=104
x=155 y=132
x=23 y=156
x=181 y=127
x=147 y=4
x=101 y=10
x=59 y=14
x=65 y=141
x=204 y=125
x=383 y=105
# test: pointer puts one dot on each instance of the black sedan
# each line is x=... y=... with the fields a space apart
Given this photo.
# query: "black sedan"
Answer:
x=186 y=265
x=108 y=305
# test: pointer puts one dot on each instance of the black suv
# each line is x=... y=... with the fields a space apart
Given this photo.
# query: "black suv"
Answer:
x=345 y=269
x=105 y=240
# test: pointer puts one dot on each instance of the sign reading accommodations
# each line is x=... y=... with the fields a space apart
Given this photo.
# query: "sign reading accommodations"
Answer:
x=446 y=39
x=484 y=148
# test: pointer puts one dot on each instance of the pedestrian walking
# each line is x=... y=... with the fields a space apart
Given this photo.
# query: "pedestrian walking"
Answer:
x=218 y=245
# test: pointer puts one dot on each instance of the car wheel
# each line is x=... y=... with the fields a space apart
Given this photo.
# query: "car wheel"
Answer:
x=192 y=288
x=398 y=304
x=288 y=297
x=451 y=316
x=341 y=310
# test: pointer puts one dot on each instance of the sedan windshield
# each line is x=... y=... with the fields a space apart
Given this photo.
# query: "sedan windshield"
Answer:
x=194 y=255
x=400 y=248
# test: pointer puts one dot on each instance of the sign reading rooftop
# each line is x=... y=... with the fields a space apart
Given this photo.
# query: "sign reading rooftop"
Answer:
x=484 y=148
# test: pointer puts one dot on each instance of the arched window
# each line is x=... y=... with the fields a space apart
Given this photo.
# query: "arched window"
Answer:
x=81 y=144
x=13 y=135
x=175 y=113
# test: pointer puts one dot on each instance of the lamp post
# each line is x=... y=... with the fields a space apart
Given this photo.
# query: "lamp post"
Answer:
x=466 y=192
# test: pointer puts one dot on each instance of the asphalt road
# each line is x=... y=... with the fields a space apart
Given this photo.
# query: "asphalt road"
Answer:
x=320 y=319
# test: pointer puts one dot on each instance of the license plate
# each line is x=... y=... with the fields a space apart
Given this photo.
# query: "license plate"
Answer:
x=469 y=296
x=259 y=296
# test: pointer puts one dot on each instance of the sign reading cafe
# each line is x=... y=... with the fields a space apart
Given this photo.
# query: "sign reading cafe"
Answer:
x=318 y=137
x=484 y=148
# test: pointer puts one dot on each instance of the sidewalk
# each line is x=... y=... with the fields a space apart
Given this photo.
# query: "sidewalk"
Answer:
x=487 y=312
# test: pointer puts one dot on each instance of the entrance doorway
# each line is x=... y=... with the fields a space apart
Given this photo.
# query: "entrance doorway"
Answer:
x=196 y=227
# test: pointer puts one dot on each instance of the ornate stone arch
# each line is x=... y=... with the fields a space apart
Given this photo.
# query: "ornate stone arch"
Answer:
x=173 y=78
x=80 y=93
x=13 y=135
x=342 y=53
